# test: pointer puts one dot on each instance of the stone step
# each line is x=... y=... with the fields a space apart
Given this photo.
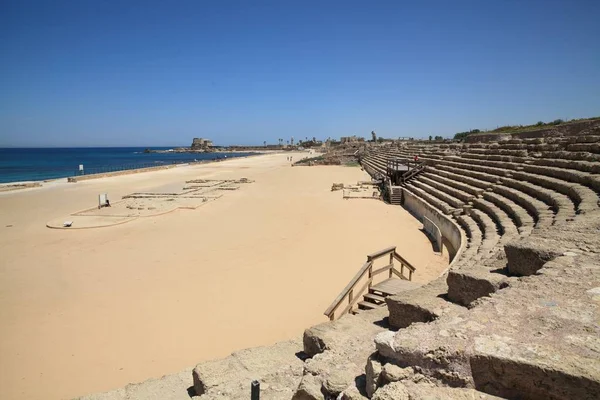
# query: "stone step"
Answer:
x=463 y=196
x=519 y=215
x=542 y=214
x=423 y=304
x=432 y=200
x=562 y=206
x=470 y=282
x=584 y=198
x=276 y=367
x=441 y=195
x=535 y=329
x=443 y=177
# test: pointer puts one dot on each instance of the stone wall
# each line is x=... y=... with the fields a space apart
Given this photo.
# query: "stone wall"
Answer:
x=450 y=230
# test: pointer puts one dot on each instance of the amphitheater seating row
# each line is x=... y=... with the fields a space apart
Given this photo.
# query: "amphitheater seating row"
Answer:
x=496 y=193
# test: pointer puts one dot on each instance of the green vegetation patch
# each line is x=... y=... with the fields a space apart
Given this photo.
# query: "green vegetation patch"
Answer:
x=307 y=160
x=511 y=129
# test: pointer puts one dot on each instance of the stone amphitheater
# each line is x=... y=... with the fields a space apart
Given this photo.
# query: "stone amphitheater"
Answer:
x=515 y=316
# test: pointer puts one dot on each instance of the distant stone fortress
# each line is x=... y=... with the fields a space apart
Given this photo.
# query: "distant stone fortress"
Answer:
x=201 y=144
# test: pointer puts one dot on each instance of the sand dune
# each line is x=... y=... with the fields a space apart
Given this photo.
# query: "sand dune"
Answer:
x=89 y=310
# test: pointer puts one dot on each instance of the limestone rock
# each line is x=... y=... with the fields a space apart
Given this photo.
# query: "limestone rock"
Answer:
x=276 y=367
x=392 y=391
x=526 y=257
x=170 y=387
x=348 y=331
x=309 y=389
x=338 y=381
x=373 y=375
x=393 y=373
x=352 y=393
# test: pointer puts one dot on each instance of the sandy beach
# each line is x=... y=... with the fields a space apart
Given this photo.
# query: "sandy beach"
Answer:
x=89 y=310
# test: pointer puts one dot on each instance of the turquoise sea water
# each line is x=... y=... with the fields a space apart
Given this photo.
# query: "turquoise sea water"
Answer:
x=33 y=164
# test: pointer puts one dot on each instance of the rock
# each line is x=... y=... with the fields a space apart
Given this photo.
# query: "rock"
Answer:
x=393 y=373
x=392 y=391
x=526 y=257
x=350 y=332
x=309 y=389
x=273 y=366
x=352 y=393
x=338 y=381
x=373 y=372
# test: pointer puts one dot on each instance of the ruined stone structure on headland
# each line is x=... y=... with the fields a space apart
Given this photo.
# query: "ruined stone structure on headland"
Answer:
x=201 y=144
x=516 y=315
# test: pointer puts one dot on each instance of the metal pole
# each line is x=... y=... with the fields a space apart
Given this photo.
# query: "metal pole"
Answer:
x=255 y=390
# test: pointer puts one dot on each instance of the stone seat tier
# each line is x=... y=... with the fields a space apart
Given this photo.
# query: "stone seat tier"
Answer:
x=585 y=166
x=490 y=232
x=579 y=186
x=373 y=165
x=428 y=179
x=584 y=199
x=443 y=177
x=468 y=183
x=440 y=194
x=585 y=138
x=542 y=214
x=522 y=219
x=530 y=340
x=474 y=235
x=549 y=192
x=494 y=157
x=506 y=226
x=481 y=176
x=423 y=304
x=562 y=206
x=568 y=155
x=434 y=201
x=473 y=280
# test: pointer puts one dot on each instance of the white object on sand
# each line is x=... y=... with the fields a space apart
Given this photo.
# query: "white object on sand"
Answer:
x=67 y=224
x=102 y=199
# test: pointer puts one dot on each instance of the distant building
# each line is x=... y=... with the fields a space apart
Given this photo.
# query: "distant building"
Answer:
x=201 y=144
x=351 y=139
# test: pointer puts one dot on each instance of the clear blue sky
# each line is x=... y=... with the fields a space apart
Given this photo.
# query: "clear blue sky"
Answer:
x=91 y=72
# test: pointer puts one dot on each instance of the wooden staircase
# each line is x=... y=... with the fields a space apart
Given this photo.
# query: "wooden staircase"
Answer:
x=410 y=175
x=377 y=293
x=362 y=293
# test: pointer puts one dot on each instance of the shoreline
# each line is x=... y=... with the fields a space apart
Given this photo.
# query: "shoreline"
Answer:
x=74 y=179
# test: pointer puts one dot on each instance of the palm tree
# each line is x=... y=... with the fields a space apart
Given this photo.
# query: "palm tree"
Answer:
x=265 y=143
x=374 y=136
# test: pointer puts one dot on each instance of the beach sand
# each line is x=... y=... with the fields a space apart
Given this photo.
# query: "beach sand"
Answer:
x=89 y=310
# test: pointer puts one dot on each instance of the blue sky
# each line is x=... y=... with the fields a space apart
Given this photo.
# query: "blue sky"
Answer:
x=101 y=73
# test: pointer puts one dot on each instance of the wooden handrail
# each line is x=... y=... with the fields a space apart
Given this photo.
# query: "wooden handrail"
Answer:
x=381 y=253
x=355 y=296
x=348 y=287
x=403 y=261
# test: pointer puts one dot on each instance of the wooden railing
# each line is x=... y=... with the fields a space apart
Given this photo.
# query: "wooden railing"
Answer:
x=413 y=172
x=353 y=295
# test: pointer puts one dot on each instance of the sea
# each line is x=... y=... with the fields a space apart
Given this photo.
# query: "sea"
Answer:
x=37 y=164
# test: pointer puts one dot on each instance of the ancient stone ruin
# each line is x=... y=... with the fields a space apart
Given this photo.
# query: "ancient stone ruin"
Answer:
x=516 y=315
